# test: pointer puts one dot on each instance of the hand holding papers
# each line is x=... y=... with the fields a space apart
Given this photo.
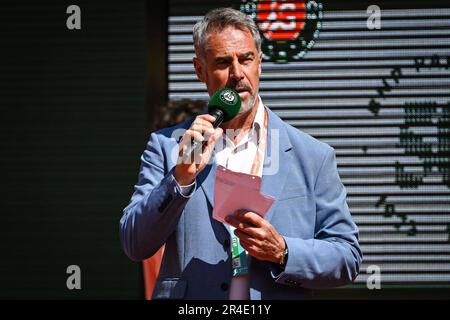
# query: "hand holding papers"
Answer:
x=234 y=191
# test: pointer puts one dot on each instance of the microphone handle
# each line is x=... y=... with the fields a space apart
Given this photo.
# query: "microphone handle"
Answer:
x=219 y=115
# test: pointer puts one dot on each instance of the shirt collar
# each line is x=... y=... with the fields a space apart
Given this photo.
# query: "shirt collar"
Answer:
x=258 y=122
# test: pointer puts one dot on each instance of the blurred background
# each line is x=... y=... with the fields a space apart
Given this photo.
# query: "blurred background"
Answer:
x=77 y=107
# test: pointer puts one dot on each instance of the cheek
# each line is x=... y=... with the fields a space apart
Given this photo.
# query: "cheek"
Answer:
x=213 y=82
x=253 y=76
x=218 y=78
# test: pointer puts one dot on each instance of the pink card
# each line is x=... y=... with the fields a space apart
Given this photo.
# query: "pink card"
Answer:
x=234 y=191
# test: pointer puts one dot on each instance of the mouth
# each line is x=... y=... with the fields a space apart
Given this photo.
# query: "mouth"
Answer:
x=242 y=90
x=243 y=94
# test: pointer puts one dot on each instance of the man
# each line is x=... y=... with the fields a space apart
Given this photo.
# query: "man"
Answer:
x=307 y=239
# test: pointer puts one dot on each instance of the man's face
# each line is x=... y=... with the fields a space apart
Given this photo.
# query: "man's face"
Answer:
x=231 y=60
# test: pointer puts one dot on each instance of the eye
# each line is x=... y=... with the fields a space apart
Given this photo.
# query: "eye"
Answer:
x=247 y=60
x=221 y=63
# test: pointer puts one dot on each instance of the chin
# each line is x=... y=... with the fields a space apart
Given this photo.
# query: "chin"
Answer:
x=248 y=104
x=244 y=107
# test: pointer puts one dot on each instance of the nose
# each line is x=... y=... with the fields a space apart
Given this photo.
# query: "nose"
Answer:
x=236 y=73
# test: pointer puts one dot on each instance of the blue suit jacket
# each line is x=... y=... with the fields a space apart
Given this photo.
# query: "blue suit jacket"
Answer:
x=310 y=211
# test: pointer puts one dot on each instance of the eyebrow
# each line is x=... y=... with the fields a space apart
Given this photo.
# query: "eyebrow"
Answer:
x=222 y=59
x=249 y=54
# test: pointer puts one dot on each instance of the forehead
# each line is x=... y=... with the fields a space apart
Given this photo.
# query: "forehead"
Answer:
x=230 y=41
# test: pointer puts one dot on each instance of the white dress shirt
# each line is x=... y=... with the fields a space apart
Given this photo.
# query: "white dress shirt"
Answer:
x=240 y=158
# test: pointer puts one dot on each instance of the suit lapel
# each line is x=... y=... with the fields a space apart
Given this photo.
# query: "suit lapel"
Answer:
x=277 y=159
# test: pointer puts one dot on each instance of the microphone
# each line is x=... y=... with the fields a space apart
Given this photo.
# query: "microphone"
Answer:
x=223 y=105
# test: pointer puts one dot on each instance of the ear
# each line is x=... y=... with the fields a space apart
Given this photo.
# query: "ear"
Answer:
x=199 y=70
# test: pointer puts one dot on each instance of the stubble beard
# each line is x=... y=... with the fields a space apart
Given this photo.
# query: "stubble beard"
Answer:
x=246 y=107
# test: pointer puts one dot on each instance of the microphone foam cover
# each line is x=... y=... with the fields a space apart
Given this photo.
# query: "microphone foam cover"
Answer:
x=228 y=101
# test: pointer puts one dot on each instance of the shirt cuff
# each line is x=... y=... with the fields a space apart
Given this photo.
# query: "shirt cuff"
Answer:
x=186 y=191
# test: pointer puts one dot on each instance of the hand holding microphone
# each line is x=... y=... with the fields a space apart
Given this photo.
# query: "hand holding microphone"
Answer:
x=198 y=142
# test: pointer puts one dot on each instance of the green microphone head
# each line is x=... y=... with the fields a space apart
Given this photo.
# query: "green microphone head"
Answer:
x=226 y=100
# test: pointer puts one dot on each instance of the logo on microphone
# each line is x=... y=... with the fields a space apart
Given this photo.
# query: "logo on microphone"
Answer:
x=289 y=28
x=228 y=97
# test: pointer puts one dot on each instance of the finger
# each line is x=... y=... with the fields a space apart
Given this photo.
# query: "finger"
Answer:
x=250 y=230
x=186 y=143
x=211 y=142
x=208 y=146
x=192 y=134
x=201 y=125
x=217 y=134
x=207 y=117
x=233 y=221
x=251 y=249
x=245 y=237
x=206 y=129
x=251 y=218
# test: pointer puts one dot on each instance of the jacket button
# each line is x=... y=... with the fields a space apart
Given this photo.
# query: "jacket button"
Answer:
x=224 y=286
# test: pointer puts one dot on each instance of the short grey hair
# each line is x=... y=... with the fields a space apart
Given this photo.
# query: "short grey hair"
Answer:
x=219 y=19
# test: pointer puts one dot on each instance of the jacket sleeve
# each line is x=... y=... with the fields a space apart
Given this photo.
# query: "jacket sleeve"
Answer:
x=155 y=207
x=333 y=257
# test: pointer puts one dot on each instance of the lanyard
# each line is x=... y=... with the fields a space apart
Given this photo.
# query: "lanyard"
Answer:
x=259 y=156
x=238 y=254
